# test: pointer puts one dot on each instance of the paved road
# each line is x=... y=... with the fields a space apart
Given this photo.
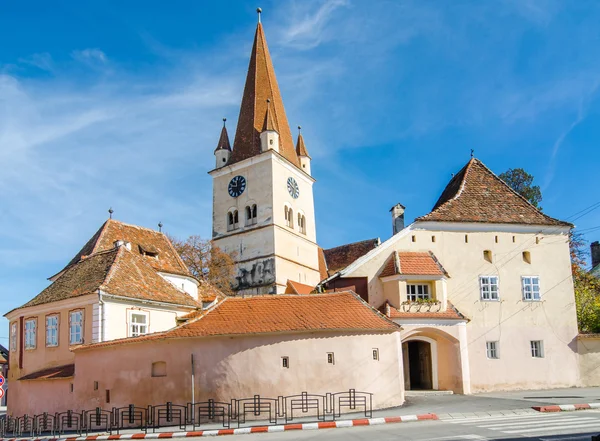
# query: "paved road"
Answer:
x=571 y=426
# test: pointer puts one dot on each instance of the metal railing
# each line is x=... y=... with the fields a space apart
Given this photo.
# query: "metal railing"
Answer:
x=238 y=412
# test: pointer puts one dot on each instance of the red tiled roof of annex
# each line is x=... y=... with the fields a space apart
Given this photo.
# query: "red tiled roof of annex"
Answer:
x=298 y=288
x=412 y=263
x=476 y=194
x=282 y=313
x=53 y=373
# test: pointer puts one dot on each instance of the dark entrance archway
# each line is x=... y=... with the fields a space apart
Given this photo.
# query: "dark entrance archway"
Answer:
x=417 y=365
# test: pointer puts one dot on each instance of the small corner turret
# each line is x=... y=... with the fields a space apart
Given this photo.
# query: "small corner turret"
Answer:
x=302 y=153
x=223 y=150
x=269 y=137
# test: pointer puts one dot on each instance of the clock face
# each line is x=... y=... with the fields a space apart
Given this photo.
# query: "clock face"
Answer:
x=237 y=186
x=293 y=188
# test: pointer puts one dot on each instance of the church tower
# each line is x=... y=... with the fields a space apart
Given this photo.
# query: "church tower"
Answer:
x=263 y=207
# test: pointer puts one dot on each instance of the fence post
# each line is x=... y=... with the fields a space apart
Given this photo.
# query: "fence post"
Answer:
x=131 y=414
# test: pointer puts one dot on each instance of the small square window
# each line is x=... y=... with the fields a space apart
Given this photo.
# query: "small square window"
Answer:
x=330 y=358
x=488 y=286
x=433 y=238
x=71 y=387
x=496 y=239
x=492 y=349
x=107 y=396
x=414 y=238
x=514 y=239
x=526 y=256
x=487 y=255
x=285 y=362
x=466 y=238
x=375 y=354
x=95 y=385
x=537 y=349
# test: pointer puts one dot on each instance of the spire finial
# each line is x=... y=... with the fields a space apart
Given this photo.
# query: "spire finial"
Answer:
x=259 y=11
x=472 y=153
x=160 y=225
x=299 y=129
x=110 y=212
x=224 y=121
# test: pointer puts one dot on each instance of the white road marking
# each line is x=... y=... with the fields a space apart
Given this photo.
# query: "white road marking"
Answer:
x=530 y=422
x=540 y=429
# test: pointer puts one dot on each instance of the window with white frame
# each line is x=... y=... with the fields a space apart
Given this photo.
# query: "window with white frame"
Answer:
x=537 y=349
x=138 y=323
x=52 y=330
x=76 y=327
x=301 y=223
x=289 y=216
x=13 y=336
x=415 y=292
x=492 y=349
x=488 y=287
x=30 y=333
x=531 y=287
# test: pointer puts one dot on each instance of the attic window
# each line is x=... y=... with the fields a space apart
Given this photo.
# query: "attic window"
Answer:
x=466 y=238
x=285 y=362
x=414 y=238
x=433 y=238
x=487 y=255
x=514 y=239
x=527 y=256
x=496 y=239
x=148 y=251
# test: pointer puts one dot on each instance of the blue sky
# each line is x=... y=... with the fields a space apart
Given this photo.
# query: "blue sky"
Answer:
x=120 y=104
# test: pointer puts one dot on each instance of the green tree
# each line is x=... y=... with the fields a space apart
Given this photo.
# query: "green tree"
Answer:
x=587 y=287
x=522 y=182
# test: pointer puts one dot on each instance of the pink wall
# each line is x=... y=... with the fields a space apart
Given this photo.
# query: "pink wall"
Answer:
x=240 y=367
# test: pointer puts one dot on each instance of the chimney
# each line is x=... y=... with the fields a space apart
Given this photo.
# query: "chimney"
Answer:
x=595 y=248
x=397 y=218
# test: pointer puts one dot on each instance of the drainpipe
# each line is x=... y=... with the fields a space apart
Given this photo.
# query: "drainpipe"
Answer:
x=101 y=313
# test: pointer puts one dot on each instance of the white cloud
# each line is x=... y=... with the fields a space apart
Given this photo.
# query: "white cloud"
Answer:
x=42 y=61
x=90 y=56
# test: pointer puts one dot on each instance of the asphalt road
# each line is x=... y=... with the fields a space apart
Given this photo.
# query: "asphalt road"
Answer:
x=561 y=426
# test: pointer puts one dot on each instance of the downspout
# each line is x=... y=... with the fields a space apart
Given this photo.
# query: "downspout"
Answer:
x=101 y=313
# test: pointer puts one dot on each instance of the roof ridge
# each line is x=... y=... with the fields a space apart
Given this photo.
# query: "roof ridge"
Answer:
x=113 y=267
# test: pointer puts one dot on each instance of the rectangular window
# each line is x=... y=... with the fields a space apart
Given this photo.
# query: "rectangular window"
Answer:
x=285 y=362
x=330 y=358
x=138 y=324
x=492 y=349
x=417 y=292
x=537 y=349
x=531 y=287
x=30 y=333
x=488 y=286
x=51 y=330
x=13 y=337
x=76 y=327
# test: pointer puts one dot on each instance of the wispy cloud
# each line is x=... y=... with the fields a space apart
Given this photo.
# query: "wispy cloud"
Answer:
x=91 y=57
x=42 y=61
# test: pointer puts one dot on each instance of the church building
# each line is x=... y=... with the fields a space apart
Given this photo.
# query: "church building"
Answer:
x=476 y=295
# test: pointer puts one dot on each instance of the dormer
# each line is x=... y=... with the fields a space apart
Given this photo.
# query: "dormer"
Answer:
x=269 y=137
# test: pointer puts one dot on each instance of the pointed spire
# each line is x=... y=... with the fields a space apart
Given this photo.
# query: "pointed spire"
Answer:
x=261 y=84
x=269 y=125
x=300 y=147
x=223 y=139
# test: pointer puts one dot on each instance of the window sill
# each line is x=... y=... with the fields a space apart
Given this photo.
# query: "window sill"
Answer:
x=532 y=300
x=490 y=300
x=52 y=346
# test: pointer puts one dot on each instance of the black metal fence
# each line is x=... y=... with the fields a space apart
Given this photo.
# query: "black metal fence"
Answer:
x=237 y=413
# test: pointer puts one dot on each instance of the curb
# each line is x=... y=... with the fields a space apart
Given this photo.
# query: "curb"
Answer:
x=245 y=430
x=566 y=407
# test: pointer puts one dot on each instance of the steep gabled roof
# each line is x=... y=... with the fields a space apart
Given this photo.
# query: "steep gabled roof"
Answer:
x=261 y=84
x=301 y=147
x=476 y=194
x=142 y=241
x=239 y=316
x=117 y=272
x=340 y=257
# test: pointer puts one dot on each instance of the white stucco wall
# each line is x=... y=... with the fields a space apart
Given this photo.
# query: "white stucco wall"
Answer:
x=183 y=283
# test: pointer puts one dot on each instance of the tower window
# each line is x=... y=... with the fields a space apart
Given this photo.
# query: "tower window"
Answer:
x=487 y=255
x=251 y=215
x=527 y=256
x=301 y=223
x=232 y=220
x=285 y=362
x=330 y=358
x=289 y=216
x=224 y=160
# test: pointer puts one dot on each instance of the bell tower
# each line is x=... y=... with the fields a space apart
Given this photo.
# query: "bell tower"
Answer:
x=263 y=206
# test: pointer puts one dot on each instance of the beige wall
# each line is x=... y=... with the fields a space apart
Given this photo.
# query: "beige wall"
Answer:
x=511 y=321
x=240 y=367
x=42 y=356
x=588 y=348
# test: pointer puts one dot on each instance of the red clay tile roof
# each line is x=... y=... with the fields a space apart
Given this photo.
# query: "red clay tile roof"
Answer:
x=298 y=288
x=261 y=84
x=476 y=194
x=117 y=272
x=268 y=314
x=412 y=263
x=451 y=313
x=223 y=140
x=340 y=257
x=53 y=373
x=300 y=147
x=322 y=265
x=141 y=239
